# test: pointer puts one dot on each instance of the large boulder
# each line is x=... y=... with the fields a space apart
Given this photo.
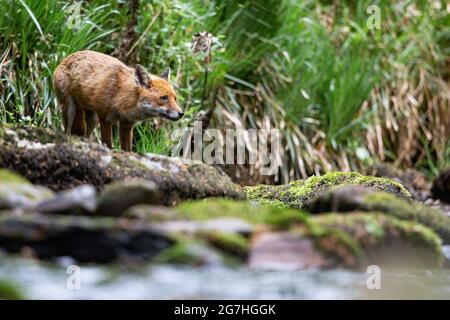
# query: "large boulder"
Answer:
x=357 y=198
x=61 y=162
x=298 y=194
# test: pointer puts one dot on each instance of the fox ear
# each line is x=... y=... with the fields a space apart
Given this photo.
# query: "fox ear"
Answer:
x=166 y=74
x=142 y=77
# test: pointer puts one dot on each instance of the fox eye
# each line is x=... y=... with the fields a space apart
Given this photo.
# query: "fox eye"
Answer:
x=165 y=98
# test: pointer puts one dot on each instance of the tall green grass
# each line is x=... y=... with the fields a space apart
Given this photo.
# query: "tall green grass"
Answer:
x=342 y=95
x=34 y=37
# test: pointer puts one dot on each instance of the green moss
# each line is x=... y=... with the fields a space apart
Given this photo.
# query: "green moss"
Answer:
x=10 y=291
x=337 y=243
x=178 y=253
x=367 y=233
x=411 y=211
x=298 y=194
x=8 y=176
x=284 y=219
x=232 y=243
x=219 y=207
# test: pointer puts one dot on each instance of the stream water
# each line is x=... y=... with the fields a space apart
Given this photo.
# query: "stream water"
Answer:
x=43 y=280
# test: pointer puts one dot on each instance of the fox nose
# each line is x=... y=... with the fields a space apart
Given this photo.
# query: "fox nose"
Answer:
x=180 y=114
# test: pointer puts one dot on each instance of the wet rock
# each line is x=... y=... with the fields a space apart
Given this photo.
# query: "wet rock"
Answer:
x=79 y=200
x=151 y=213
x=358 y=198
x=86 y=239
x=441 y=186
x=121 y=195
x=362 y=239
x=339 y=199
x=285 y=251
x=17 y=192
x=298 y=194
x=414 y=181
x=62 y=162
x=221 y=225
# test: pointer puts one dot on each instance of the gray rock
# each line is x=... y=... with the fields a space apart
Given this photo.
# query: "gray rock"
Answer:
x=85 y=239
x=151 y=213
x=225 y=225
x=17 y=192
x=411 y=179
x=446 y=252
x=79 y=200
x=121 y=195
x=339 y=199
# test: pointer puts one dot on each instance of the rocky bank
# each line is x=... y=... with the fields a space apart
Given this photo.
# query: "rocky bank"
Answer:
x=67 y=197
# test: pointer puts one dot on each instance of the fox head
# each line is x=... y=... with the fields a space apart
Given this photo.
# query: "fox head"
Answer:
x=156 y=97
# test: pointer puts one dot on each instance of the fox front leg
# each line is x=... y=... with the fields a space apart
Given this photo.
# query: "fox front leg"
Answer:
x=106 y=132
x=126 y=135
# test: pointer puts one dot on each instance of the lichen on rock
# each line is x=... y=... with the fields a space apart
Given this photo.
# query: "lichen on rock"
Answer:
x=298 y=194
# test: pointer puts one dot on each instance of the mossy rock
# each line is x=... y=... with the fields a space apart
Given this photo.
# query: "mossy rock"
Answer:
x=219 y=207
x=10 y=291
x=193 y=251
x=16 y=191
x=61 y=162
x=361 y=239
x=231 y=243
x=298 y=194
x=351 y=198
x=118 y=196
x=179 y=253
x=9 y=176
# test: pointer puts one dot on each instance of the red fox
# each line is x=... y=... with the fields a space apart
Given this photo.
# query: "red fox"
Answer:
x=92 y=86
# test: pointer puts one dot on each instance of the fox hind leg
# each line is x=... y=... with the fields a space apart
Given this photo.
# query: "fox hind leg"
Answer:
x=69 y=112
x=91 y=121
x=79 y=122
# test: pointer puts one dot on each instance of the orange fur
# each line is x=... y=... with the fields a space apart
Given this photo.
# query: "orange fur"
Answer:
x=91 y=85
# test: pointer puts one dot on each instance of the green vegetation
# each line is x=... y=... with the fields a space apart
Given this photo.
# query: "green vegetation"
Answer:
x=231 y=243
x=218 y=208
x=10 y=291
x=343 y=95
x=8 y=176
x=298 y=194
